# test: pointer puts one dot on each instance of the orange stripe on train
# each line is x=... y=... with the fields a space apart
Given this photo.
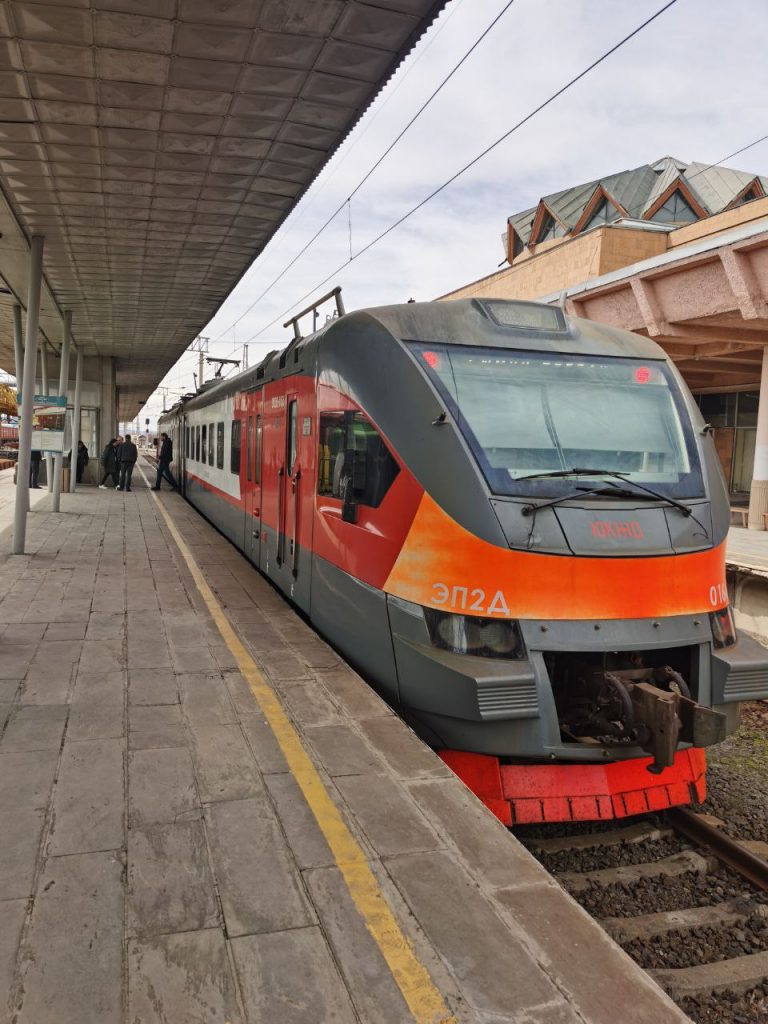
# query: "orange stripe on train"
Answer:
x=443 y=565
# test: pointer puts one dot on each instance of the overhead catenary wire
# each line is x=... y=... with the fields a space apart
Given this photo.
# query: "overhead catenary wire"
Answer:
x=371 y=169
x=471 y=163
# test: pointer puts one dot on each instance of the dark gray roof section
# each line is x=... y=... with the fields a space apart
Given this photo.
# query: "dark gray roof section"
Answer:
x=636 y=190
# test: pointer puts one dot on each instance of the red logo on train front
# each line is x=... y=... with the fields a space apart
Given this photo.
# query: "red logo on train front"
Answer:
x=617 y=529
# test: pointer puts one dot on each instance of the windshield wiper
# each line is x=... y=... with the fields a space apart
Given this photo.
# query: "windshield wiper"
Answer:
x=582 y=492
x=609 y=473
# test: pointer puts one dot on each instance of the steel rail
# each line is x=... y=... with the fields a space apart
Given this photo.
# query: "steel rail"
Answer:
x=727 y=850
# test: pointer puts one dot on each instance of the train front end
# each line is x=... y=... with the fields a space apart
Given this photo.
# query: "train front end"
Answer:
x=559 y=609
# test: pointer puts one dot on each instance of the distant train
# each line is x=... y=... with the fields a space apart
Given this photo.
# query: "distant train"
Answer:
x=512 y=523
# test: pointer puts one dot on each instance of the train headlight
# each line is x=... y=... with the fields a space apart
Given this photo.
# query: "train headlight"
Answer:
x=723 y=629
x=464 y=634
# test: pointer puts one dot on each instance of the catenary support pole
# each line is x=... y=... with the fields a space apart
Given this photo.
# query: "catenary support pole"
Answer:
x=28 y=394
x=58 y=460
x=76 y=417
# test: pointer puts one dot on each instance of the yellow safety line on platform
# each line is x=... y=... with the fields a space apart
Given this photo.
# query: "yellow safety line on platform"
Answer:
x=419 y=991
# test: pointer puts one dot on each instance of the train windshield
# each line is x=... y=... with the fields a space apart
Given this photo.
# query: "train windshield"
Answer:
x=525 y=413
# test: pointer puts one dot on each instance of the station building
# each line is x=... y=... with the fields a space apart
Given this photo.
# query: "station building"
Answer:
x=675 y=251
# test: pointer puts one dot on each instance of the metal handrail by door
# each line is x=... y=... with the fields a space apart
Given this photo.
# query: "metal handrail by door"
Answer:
x=295 y=539
x=280 y=525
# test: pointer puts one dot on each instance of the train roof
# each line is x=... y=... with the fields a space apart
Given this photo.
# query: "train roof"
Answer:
x=496 y=323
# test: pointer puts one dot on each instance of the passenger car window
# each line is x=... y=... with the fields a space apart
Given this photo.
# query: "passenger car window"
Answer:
x=210 y=445
x=293 y=429
x=234 y=448
x=354 y=463
x=203 y=442
x=220 y=446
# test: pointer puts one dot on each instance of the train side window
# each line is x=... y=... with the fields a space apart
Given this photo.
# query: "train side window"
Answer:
x=234 y=448
x=203 y=442
x=257 y=463
x=219 y=446
x=351 y=450
x=187 y=433
x=249 y=449
x=293 y=431
x=210 y=445
x=197 y=444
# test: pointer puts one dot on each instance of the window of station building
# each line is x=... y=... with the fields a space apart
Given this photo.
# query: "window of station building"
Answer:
x=718 y=410
x=219 y=446
x=676 y=210
x=550 y=228
x=353 y=453
x=746 y=408
x=211 y=435
x=203 y=442
x=257 y=462
x=234 y=448
x=604 y=213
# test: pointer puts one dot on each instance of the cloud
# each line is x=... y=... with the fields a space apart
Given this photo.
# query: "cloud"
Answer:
x=690 y=85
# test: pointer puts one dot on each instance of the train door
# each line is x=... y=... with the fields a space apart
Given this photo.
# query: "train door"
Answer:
x=286 y=561
x=253 y=426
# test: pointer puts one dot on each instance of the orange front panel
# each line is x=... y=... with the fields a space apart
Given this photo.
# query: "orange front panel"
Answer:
x=442 y=565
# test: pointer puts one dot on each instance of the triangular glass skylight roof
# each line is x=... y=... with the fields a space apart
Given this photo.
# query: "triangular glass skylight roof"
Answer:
x=550 y=228
x=604 y=213
x=676 y=210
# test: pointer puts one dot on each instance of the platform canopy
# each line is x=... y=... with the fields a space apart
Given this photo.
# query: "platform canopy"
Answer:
x=159 y=144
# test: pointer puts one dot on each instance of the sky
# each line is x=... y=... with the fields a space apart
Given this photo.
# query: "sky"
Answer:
x=690 y=85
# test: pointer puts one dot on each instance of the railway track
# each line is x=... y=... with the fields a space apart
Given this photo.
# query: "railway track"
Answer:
x=684 y=899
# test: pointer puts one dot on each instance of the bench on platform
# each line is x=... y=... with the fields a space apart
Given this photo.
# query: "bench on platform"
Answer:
x=743 y=512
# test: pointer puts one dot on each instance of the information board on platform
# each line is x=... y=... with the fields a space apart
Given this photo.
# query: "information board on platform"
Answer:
x=49 y=419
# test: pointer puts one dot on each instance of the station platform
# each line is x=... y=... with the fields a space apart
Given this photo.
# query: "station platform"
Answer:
x=207 y=817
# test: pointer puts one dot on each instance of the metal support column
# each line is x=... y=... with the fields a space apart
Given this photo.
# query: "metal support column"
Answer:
x=76 y=417
x=45 y=389
x=28 y=394
x=18 y=345
x=58 y=461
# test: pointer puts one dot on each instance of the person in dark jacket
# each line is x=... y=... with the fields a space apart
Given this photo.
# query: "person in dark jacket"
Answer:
x=164 y=460
x=109 y=463
x=82 y=461
x=34 y=468
x=128 y=455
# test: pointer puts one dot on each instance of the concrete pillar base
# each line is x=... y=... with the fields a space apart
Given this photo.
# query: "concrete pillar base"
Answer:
x=758 y=503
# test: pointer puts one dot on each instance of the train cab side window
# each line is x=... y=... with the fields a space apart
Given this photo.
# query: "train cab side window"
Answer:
x=234 y=448
x=204 y=442
x=353 y=453
x=210 y=445
x=219 y=446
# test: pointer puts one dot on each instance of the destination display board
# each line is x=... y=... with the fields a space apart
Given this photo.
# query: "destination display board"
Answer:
x=49 y=421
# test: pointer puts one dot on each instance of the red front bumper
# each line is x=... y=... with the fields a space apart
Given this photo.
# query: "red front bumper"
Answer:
x=527 y=793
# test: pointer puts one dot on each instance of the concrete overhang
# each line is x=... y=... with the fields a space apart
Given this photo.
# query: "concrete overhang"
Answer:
x=159 y=144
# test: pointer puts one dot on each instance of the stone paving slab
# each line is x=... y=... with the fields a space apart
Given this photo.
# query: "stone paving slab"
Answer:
x=160 y=863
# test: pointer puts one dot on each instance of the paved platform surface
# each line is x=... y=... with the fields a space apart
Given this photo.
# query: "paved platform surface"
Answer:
x=748 y=549
x=8 y=499
x=206 y=817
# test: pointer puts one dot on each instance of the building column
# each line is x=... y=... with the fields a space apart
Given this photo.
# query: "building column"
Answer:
x=45 y=390
x=758 y=496
x=18 y=351
x=76 y=417
x=28 y=394
x=58 y=461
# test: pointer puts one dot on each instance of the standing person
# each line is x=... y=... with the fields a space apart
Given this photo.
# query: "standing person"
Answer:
x=164 y=460
x=109 y=463
x=82 y=460
x=128 y=455
x=34 y=467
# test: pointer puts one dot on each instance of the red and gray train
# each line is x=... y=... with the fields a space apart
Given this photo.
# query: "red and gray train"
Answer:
x=512 y=523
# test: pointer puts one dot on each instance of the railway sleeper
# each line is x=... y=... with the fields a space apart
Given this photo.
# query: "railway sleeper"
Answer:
x=649 y=926
x=738 y=976
x=671 y=867
x=639 y=833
